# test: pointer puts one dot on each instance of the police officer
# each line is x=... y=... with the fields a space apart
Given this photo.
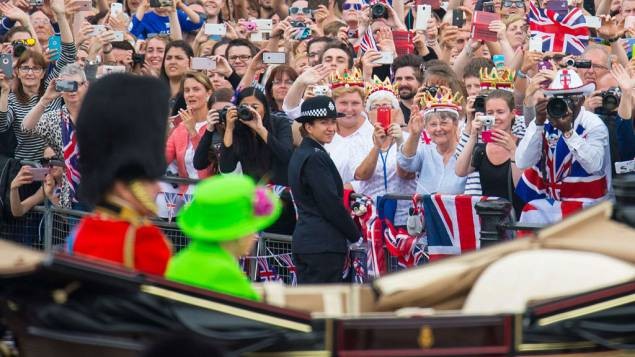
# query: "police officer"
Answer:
x=324 y=226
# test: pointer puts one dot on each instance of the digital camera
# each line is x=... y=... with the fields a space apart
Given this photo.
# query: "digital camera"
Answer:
x=379 y=11
x=557 y=107
x=244 y=113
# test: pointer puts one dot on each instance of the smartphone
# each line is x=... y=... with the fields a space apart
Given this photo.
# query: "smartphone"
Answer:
x=215 y=29
x=66 y=86
x=274 y=58
x=488 y=6
x=85 y=5
x=302 y=33
x=595 y=22
x=264 y=24
x=386 y=58
x=535 y=44
x=97 y=30
x=260 y=36
x=384 y=117
x=314 y=4
x=55 y=43
x=423 y=15
x=320 y=90
x=36 y=3
x=435 y=4
x=118 y=36
x=116 y=9
x=458 y=18
x=39 y=173
x=203 y=63
x=6 y=64
x=106 y=69
x=629 y=22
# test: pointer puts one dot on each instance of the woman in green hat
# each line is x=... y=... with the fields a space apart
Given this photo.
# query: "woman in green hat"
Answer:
x=222 y=221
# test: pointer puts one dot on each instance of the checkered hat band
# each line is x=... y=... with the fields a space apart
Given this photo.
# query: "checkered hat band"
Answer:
x=317 y=113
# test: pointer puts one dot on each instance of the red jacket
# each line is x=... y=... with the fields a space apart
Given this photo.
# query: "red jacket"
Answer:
x=140 y=246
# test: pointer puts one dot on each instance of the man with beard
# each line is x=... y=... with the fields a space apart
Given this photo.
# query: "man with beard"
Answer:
x=407 y=70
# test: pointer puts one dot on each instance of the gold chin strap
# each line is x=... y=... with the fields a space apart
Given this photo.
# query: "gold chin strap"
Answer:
x=141 y=194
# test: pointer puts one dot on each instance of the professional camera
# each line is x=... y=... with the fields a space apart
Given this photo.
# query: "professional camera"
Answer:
x=19 y=46
x=379 y=11
x=479 y=104
x=557 y=107
x=579 y=63
x=611 y=99
x=244 y=113
x=222 y=115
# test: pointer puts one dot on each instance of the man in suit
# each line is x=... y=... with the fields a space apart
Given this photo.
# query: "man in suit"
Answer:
x=324 y=227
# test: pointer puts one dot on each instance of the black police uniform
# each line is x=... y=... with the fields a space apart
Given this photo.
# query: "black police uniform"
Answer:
x=324 y=226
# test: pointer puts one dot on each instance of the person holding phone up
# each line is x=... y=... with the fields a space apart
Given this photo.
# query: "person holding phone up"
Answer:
x=495 y=158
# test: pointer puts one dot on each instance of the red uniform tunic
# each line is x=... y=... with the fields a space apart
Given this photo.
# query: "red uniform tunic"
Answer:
x=134 y=243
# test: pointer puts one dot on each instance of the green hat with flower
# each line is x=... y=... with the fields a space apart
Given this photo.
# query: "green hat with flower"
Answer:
x=228 y=207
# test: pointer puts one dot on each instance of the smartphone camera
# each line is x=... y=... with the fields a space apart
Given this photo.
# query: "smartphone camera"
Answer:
x=379 y=11
x=138 y=58
x=66 y=86
x=244 y=113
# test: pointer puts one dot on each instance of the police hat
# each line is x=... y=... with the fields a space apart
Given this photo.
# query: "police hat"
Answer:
x=319 y=107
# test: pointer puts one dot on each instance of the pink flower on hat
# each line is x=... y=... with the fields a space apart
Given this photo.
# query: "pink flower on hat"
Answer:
x=262 y=204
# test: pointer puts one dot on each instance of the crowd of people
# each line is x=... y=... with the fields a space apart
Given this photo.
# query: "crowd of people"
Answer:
x=417 y=105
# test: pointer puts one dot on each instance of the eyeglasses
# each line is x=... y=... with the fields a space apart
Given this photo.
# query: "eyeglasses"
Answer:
x=597 y=67
x=242 y=58
x=296 y=10
x=35 y=70
x=516 y=4
x=277 y=82
x=349 y=6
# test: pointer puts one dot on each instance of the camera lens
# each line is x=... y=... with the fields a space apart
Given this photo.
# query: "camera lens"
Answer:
x=557 y=107
x=244 y=113
x=610 y=102
x=570 y=62
x=222 y=115
x=378 y=11
x=18 y=49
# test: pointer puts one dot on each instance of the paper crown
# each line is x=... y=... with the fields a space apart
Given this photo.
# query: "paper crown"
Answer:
x=376 y=85
x=497 y=78
x=442 y=100
x=352 y=78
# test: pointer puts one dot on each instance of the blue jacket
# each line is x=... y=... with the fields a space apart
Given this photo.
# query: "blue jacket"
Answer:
x=160 y=25
x=625 y=138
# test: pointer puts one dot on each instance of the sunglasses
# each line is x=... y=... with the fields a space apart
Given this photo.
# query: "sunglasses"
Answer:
x=296 y=10
x=349 y=6
x=516 y=4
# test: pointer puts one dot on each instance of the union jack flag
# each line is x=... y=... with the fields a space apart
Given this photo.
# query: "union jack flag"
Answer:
x=360 y=275
x=70 y=150
x=565 y=178
x=368 y=41
x=452 y=225
x=559 y=33
x=266 y=272
x=287 y=262
x=371 y=228
x=187 y=198
x=406 y=248
x=548 y=210
x=171 y=203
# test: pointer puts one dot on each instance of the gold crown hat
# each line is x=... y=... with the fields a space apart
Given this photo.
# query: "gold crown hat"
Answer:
x=442 y=101
x=347 y=79
x=497 y=78
x=376 y=85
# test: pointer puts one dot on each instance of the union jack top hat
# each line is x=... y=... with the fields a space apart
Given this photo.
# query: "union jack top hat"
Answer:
x=567 y=81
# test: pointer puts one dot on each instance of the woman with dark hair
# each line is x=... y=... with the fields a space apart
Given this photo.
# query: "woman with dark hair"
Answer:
x=280 y=80
x=208 y=150
x=261 y=142
x=31 y=82
x=495 y=158
x=176 y=62
x=154 y=54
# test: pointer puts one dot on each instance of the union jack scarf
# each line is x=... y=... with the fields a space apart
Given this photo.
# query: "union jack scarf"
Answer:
x=287 y=262
x=266 y=272
x=371 y=228
x=171 y=203
x=408 y=250
x=567 y=34
x=70 y=150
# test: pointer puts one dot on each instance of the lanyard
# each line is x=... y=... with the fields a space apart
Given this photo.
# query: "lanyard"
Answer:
x=383 y=162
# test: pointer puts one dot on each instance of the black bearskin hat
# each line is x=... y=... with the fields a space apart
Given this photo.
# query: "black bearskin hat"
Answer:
x=121 y=131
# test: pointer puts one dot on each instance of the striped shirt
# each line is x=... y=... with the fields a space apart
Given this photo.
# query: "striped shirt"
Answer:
x=29 y=146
